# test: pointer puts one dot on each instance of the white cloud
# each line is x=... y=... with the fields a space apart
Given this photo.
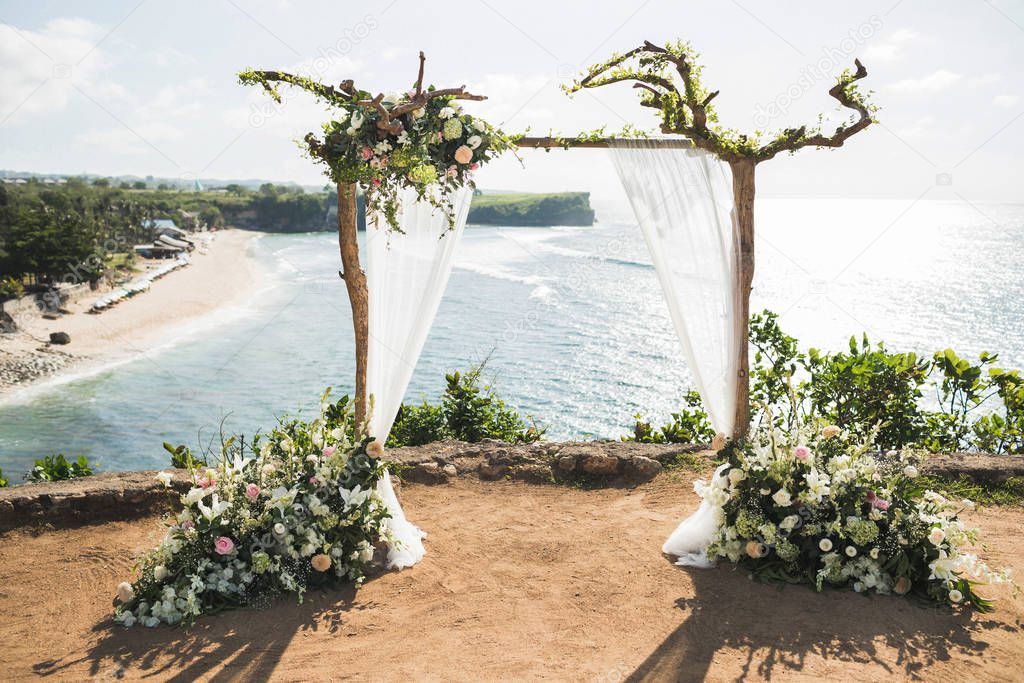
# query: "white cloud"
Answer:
x=934 y=82
x=891 y=47
x=40 y=69
x=178 y=100
x=135 y=140
x=919 y=128
x=984 y=79
x=169 y=56
x=1005 y=100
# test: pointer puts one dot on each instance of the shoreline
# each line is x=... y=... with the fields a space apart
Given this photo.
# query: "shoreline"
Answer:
x=225 y=275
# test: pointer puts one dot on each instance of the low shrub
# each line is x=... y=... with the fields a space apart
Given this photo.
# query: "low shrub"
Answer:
x=59 y=468
x=468 y=411
x=870 y=390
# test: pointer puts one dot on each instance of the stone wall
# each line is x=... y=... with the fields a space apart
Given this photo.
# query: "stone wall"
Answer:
x=124 y=495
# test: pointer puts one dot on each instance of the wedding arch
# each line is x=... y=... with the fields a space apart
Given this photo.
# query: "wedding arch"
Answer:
x=693 y=196
x=310 y=504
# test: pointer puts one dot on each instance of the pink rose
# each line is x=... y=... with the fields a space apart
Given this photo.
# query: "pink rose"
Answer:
x=871 y=497
x=186 y=525
x=802 y=452
x=375 y=182
x=881 y=504
x=223 y=545
x=252 y=491
x=463 y=155
x=366 y=153
x=452 y=171
x=328 y=451
x=474 y=166
x=314 y=481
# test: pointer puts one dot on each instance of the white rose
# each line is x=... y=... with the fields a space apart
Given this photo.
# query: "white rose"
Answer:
x=736 y=476
x=279 y=529
x=910 y=471
x=351 y=132
x=825 y=545
x=782 y=498
x=474 y=141
x=955 y=595
x=125 y=592
x=366 y=553
x=789 y=523
x=851 y=551
x=164 y=478
x=418 y=113
x=160 y=572
x=446 y=112
x=356 y=119
x=937 y=536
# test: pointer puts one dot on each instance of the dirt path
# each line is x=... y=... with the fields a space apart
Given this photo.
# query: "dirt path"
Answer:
x=520 y=583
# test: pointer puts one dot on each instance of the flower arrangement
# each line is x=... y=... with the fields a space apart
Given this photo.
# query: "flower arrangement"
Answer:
x=821 y=508
x=419 y=139
x=301 y=510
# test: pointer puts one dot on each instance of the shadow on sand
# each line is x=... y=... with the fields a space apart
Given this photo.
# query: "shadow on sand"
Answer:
x=244 y=644
x=770 y=632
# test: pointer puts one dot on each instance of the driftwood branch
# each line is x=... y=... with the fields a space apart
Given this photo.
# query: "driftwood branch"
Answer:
x=793 y=139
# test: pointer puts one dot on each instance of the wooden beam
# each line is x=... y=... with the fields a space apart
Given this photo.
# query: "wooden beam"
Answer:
x=599 y=143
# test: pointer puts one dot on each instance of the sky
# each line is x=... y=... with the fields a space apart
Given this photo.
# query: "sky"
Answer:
x=149 y=88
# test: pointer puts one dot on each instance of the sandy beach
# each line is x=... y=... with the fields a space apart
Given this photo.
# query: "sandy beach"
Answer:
x=220 y=275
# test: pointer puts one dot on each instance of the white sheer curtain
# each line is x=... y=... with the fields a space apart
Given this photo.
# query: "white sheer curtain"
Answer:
x=683 y=202
x=682 y=199
x=406 y=275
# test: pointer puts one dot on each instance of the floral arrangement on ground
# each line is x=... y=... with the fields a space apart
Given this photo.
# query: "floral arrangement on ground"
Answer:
x=820 y=507
x=302 y=510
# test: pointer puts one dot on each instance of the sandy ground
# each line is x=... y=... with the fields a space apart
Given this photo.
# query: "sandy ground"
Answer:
x=520 y=583
x=221 y=276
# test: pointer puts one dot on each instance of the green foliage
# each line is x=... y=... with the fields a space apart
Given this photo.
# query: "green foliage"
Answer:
x=10 y=288
x=3 y=482
x=561 y=208
x=59 y=468
x=869 y=390
x=417 y=425
x=467 y=412
x=689 y=425
x=182 y=457
x=866 y=387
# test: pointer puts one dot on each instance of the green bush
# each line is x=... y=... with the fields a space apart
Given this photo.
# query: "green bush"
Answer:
x=689 y=425
x=3 y=482
x=980 y=407
x=182 y=457
x=59 y=468
x=467 y=412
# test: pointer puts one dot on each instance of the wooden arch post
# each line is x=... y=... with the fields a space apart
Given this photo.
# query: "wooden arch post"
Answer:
x=358 y=295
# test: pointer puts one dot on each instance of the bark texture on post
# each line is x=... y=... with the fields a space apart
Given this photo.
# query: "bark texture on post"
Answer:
x=743 y=201
x=355 y=282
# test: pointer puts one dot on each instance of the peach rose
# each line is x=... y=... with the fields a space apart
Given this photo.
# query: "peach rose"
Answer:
x=830 y=431
x=463 y=155
x=321 y=563
x=374 y=449
x=756 y=550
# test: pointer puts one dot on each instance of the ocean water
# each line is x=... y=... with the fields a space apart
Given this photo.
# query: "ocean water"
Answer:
x=570 y=320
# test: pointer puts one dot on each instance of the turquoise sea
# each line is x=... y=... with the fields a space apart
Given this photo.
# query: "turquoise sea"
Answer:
x=571 y=321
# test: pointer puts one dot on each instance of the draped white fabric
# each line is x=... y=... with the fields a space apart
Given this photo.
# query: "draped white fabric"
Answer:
x=682 y=199
x=406 y=275
x=683 y=202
